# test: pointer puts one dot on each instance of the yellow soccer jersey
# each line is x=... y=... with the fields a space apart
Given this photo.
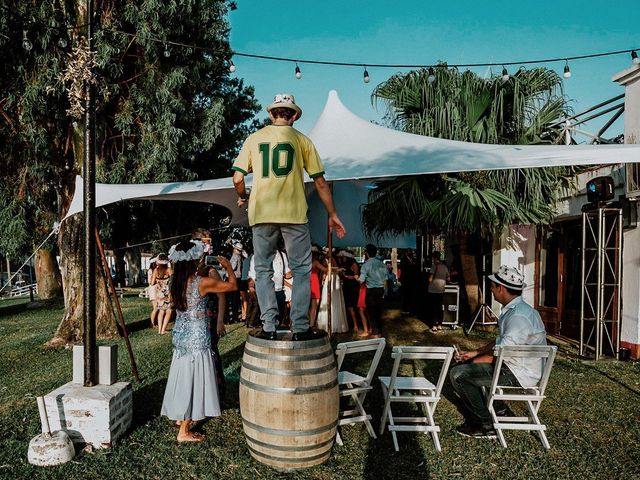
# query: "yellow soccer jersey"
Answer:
x=277 y=156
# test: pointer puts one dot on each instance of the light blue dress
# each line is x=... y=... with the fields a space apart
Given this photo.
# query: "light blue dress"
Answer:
x=192 y=393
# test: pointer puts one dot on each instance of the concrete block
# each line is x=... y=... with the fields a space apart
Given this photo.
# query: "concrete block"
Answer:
x=78 y=364
x=107 y=364
x=97 y=415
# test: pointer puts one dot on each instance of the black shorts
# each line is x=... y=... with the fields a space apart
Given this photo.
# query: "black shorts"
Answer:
x=243 y=285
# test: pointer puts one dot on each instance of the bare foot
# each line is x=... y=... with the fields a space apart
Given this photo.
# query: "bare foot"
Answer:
x=190 y=437
x=363 y=334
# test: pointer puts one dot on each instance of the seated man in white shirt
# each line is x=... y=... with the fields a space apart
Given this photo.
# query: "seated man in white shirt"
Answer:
x=519 y=324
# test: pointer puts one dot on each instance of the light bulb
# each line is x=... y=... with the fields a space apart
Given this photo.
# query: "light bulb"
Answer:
x=432 y=75
x=167 y=51
x=62 y=43
x=505 y=74
x=567 y=71
x=26 y=43
x=232 y=67
x=298 y=73
x=366 y=76
x=634 y=58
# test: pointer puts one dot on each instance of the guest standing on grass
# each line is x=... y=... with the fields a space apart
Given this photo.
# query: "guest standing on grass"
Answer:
x=438 y=278
x=519 y=324
x=160 y=281
x=278 y=155
x=191 y=393
x=374 y=275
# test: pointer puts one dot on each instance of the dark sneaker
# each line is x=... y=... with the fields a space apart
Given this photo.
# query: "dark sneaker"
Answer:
x=476 y=431
x=266 y=335
x=310 y=334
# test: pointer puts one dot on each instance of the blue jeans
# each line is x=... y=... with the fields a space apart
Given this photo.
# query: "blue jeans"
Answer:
x=468 y=379
x=297 y=242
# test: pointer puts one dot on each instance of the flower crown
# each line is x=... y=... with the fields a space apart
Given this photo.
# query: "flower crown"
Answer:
x=194 y=253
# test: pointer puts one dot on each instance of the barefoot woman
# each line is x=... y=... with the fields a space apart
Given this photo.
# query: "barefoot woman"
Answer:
x=191 y=392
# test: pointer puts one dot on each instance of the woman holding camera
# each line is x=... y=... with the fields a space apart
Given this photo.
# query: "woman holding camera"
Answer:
x=191 y=393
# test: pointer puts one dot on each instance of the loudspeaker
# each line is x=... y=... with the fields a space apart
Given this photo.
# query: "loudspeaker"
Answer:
x=600 y=189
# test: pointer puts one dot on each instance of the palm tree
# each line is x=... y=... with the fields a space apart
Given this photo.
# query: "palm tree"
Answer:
x=467 y=107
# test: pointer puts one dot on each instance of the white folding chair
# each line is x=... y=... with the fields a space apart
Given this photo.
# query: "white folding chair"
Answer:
x=419 y=390
x=532 y=396
x=355 y=386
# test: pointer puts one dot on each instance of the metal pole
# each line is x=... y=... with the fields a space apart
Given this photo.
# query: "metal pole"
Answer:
x=584 y=281
x=619 y=289
x=600 y=285
x=89 y=202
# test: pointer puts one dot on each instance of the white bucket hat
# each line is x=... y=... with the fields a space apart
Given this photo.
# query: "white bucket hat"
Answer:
x=508 y=277
x=285 y=100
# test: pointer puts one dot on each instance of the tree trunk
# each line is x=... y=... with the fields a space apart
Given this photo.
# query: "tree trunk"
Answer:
x=71 y=247
x=470 y=274
x=48 y=275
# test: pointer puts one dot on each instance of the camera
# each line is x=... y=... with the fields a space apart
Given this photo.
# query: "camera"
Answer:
x=211 y=260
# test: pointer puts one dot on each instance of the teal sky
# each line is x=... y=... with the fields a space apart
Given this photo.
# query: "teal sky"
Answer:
x=422 y=32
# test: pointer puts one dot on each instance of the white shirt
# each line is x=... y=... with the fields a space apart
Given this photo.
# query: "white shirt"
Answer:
x=520 y=324
x=280 y=267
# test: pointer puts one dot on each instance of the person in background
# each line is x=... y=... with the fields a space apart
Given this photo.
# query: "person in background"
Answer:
x=151 y=292
x=318 y=269
x=333 y=284
x=278 y=155
x=374 y=275
x=350 y=285
x=236 y=261
x=280 y=269
x=160 y=280
x=191 y=393
x=438 y=278
x=519 y=324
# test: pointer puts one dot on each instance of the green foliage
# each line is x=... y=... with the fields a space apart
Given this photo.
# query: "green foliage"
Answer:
x=467 y=107
x=164 y=112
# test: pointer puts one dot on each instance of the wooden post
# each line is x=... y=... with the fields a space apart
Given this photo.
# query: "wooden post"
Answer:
x=119 y=318
x=329 y=275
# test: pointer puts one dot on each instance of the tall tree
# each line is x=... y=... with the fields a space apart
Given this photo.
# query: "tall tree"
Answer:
x=464 y=106
x=165 y=112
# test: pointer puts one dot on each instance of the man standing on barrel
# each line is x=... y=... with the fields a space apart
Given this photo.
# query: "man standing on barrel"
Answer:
x=278 y=155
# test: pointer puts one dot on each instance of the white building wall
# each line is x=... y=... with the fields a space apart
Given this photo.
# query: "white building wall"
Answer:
x=517 y=248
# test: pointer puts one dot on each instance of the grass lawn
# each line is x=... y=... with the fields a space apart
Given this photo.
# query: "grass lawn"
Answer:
x=592 y=416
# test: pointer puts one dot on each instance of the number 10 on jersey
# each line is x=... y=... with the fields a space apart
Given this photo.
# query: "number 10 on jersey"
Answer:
x=278 y=159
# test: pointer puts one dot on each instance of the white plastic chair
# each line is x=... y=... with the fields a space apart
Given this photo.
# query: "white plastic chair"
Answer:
x=532 y=396
x=419 y=390
x=356 y=386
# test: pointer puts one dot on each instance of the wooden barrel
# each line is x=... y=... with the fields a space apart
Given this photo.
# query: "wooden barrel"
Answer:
x=289 y=401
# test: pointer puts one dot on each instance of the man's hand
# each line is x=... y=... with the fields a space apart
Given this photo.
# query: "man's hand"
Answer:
x=336 y=224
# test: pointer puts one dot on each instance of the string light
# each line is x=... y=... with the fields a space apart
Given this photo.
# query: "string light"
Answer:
x=62 y=43
x=167 y=51
x=634 y=57
x=366 y=75
x=505 y=74
x=298 y=72
x=232 y=66
x=432 y=75
x=567 y=71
